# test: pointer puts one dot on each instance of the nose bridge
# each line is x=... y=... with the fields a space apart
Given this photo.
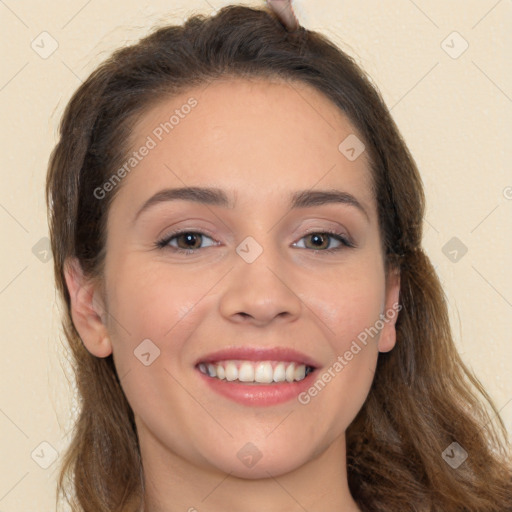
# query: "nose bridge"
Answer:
x=258 y=287
x=259 y=261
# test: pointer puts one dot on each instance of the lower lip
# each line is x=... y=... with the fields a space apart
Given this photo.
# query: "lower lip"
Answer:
x=258 y=394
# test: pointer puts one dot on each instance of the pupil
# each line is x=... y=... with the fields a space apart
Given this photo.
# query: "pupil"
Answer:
x=190 y=237
x=317 y=239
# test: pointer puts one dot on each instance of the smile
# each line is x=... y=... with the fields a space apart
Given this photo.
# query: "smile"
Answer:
x=257 y=376
x=262 y=372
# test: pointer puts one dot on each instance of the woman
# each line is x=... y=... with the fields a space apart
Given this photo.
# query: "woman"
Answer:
x=236 y=224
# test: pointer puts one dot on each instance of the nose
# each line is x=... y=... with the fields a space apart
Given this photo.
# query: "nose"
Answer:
x=259 y=292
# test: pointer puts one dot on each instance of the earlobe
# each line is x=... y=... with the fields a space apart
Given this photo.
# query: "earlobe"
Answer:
x=387 y=337
x=87 y=310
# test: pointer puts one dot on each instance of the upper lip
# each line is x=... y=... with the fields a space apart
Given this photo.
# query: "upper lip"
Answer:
x=258 y=354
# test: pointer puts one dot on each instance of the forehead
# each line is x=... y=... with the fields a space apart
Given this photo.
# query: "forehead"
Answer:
x=251 y=136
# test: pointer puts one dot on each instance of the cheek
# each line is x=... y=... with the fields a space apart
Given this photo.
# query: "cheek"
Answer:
x=146 y=303
x=342 y=386
x=349 y=303
x=350 y=307
x=162 y=308
x=151 y=298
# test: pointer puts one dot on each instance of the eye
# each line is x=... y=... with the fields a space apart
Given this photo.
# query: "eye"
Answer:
x=184 y=241
x=321 y=240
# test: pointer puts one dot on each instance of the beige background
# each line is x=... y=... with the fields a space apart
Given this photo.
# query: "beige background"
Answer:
x=454 y=113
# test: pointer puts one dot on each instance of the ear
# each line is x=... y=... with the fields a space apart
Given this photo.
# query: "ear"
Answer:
x=87 y=310
x=392 y=307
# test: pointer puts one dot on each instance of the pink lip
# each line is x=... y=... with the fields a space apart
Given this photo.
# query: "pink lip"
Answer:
x=256 y=394
x=259 y=354
x=260 y=395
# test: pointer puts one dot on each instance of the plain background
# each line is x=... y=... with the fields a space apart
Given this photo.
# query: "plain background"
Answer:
x=452 y=106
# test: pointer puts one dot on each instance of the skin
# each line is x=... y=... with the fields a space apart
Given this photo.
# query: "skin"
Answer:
x=258 y=141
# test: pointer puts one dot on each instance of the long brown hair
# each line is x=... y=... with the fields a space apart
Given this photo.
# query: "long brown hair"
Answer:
x=423 y=398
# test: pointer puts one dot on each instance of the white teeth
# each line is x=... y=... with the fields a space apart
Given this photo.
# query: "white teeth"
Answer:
x=290 y=372
x=264 y=372
x=280 y=373
x=221 y=374
x=231 y=371
x=246 y=373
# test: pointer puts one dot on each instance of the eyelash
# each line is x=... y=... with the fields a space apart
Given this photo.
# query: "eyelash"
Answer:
x=163 y=243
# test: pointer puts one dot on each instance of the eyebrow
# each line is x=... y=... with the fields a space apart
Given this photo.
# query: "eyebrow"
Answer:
x=217 y=197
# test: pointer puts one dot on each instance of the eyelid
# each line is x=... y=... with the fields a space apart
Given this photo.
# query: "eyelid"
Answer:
x=332 y=229
x=344 y=239
x=163 y=241
x=172 y=231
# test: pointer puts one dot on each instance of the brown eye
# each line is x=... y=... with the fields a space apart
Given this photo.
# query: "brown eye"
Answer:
x=319 y=240
x=324 y=241
x=190 y=240
x=185 y=241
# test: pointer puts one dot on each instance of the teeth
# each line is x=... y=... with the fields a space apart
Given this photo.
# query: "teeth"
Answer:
x=300 y=372
x=256 y=371
x=280 y=373
x=221 y=373
x=290 y=372
x=246 y=373
x=231 y=371
x=264 y=373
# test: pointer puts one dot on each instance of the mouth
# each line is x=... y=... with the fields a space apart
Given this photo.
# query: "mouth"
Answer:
x=251 y=372
x=255 y=376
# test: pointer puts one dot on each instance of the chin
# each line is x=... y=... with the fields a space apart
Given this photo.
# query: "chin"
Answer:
x=251 y=462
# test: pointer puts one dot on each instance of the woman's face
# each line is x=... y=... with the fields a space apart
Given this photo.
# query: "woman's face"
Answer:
x=262 y=286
